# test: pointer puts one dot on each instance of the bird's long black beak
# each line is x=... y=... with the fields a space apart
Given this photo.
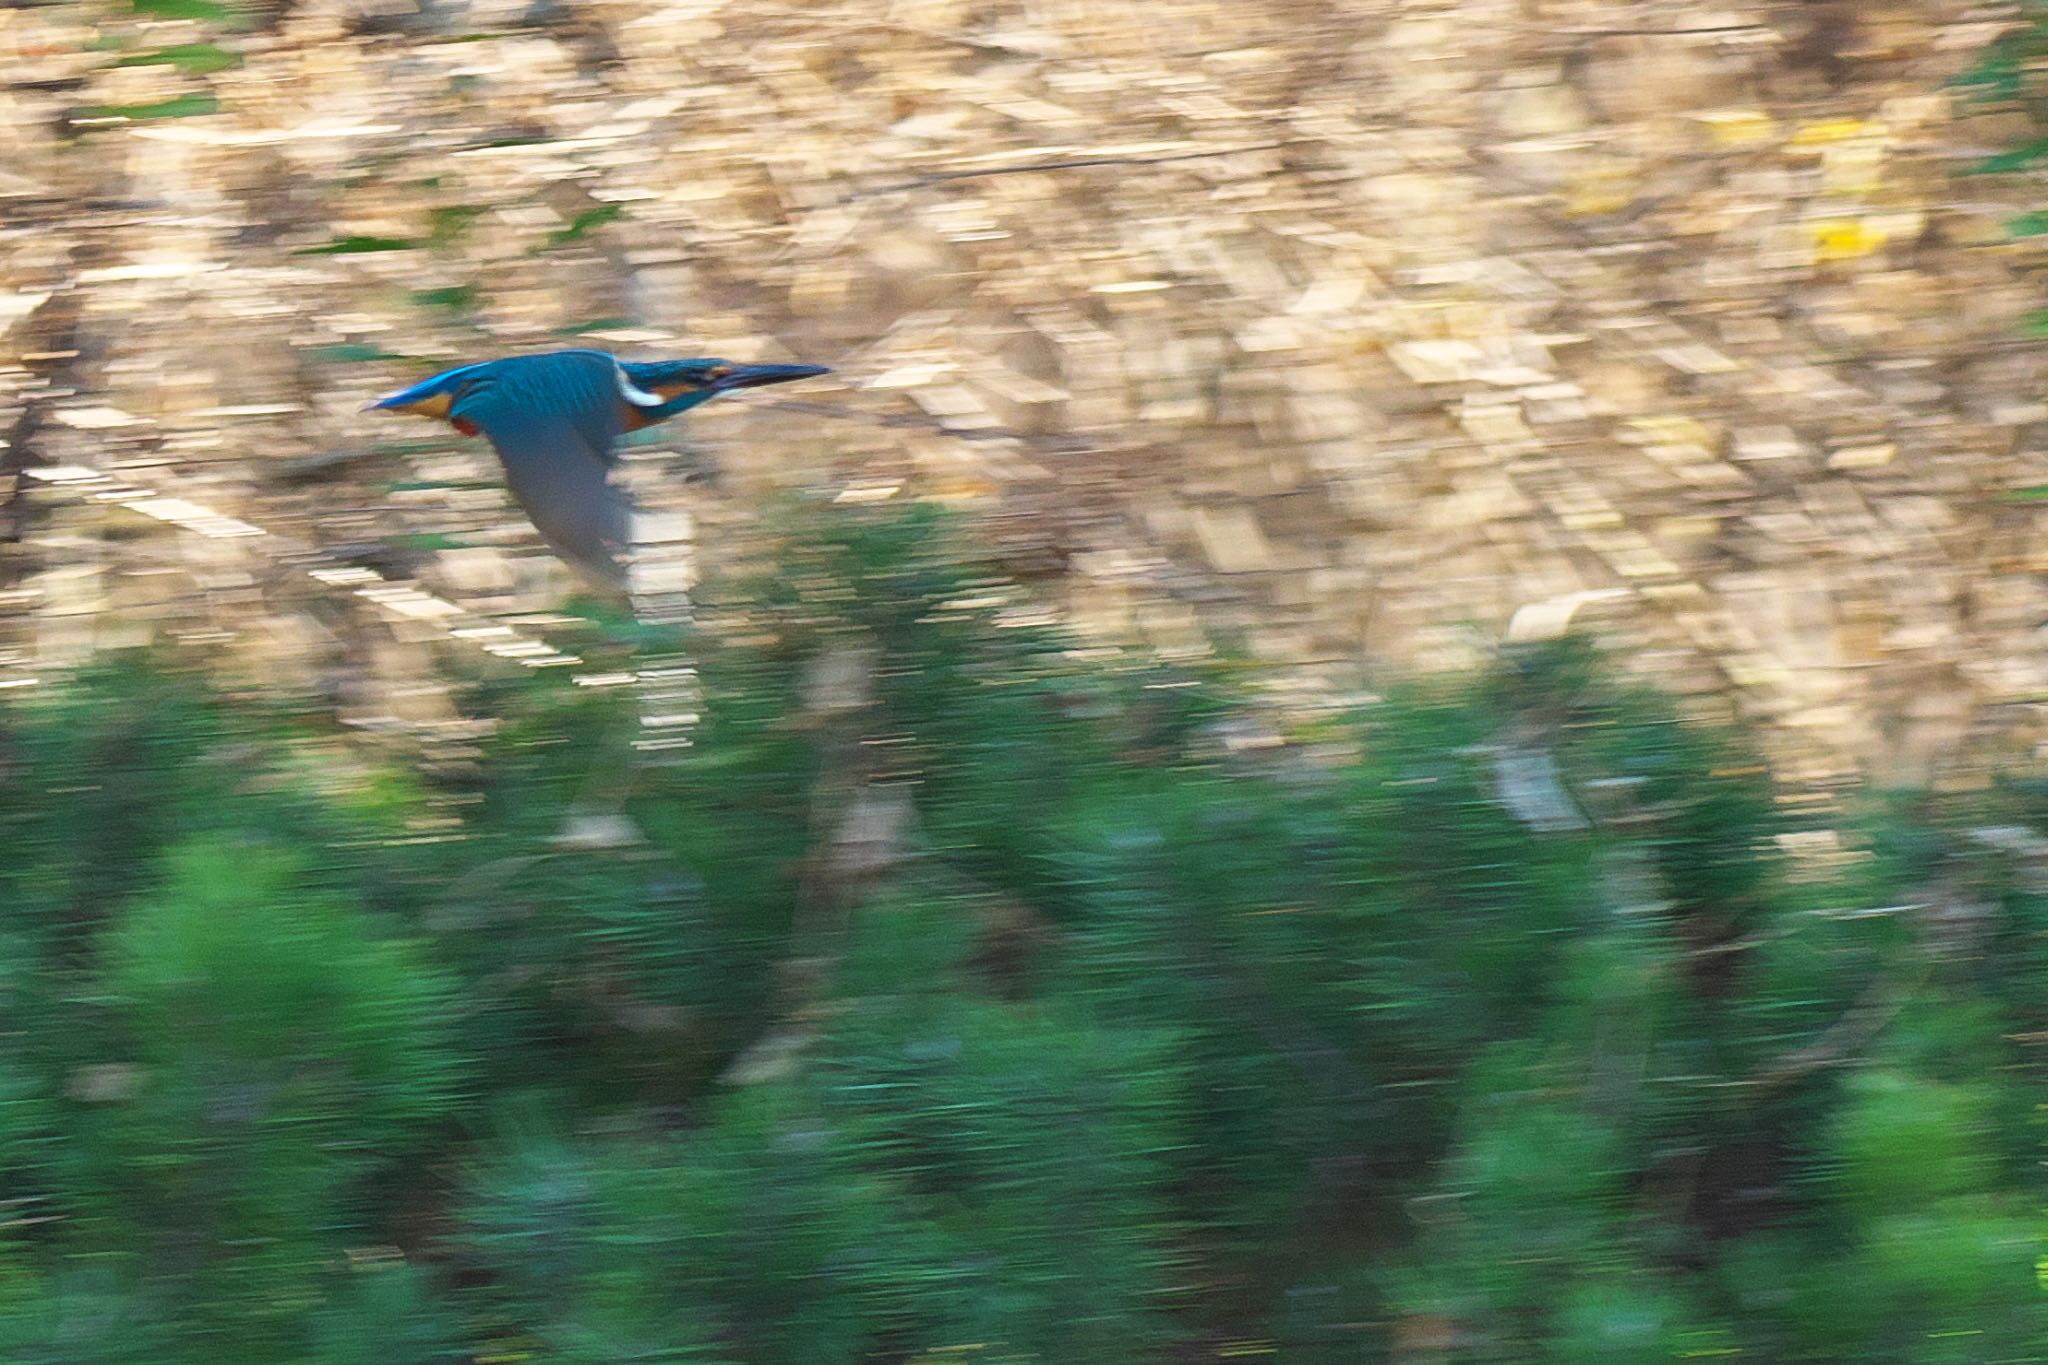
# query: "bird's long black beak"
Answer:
x=755 y=376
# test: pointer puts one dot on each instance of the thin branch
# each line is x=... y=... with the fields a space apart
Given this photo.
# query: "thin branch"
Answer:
x=1059 y=444
x=1837 y=1045
x=1637 y=32
x=1064 y=164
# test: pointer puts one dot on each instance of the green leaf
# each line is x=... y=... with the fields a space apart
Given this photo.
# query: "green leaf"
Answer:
x=2028 y=224
x=575 y=329
x=448 y=224
x=352 y=246
x=586 y=222
x=355 y=353
x=181 y=106
x=197 y=59
x=422 y=486
x=204 y=11
x=620 y=626
x=2017 y=159
x=459 y=297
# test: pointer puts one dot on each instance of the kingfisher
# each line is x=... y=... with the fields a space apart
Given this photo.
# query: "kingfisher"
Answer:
x=555 y=421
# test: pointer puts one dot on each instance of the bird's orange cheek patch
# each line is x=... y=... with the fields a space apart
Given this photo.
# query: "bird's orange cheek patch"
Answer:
x=463 y=425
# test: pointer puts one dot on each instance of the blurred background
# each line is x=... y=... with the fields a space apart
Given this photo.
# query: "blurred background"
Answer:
x=1390 y=709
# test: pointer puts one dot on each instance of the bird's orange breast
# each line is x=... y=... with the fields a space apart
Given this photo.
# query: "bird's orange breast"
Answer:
x=636 y=418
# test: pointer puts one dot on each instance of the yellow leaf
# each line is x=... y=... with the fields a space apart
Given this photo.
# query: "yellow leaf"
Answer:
x=1845 y=239
x=1671 y=430
x=1739 y=127
x=1597 y=195
x=1836 y=130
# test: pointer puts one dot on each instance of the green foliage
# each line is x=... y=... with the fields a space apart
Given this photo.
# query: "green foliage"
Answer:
x=386 y=1313
x=585 y=223
x=2018 y=159
x=194 y=59
x=756 y=1237
x=275 y=1050
x=177 y=106
x=356 y=353
x=590 y=325
x=458 y=298
x=2005 y=71
x=1632 y=1316
x=203 y=11
x=2008 y=75
x=449 y=223
x=1143 y=1044
x=1903 y=1144
x=1052 y=1250
x=355 y=246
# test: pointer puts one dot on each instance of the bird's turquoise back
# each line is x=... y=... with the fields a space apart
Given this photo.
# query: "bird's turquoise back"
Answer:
x=555 y=422
x=579 y=388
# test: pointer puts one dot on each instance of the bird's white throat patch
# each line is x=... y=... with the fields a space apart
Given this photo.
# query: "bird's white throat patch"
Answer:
x=634 y=393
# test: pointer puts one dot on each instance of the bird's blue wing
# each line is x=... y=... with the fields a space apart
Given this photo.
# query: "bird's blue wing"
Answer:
x=555 y=422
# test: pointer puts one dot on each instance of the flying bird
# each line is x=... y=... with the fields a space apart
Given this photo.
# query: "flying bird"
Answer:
x=555 y=421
